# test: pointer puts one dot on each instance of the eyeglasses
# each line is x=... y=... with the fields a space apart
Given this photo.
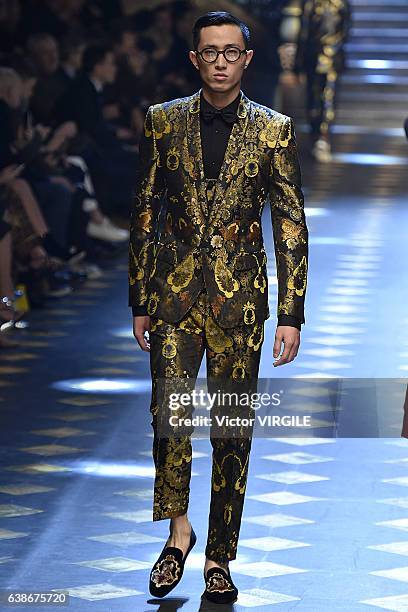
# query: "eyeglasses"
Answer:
x=210 y=55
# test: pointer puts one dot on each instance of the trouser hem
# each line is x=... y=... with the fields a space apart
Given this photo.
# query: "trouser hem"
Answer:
x=221 y=559
x=170 y=514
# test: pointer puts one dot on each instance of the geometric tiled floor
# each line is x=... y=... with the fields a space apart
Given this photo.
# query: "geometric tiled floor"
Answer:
x=324 y=520
x=328 y=535
x=325 y=524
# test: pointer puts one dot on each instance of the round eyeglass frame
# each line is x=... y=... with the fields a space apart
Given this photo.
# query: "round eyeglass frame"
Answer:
x=241 y=51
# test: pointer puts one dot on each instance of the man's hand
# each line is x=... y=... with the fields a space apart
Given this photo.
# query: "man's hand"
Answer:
x=141 y=324
x=63 y=132
x=43 y=130
x=291 y=339
x=9 y=173
x=124 y=133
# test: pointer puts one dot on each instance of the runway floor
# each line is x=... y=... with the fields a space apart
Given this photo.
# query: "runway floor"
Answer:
x=324 y=517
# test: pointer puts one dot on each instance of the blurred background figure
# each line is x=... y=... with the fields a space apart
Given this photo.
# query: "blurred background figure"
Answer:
x=320 y=57
x=111 y=152
x=262 y=82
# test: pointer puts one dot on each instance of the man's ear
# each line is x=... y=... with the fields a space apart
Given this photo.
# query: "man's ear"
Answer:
x=193 y=58
x=249 y=56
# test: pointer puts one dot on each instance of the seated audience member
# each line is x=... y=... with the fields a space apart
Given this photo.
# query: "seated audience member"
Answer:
x=124 y=45
x=135 y=84
x=71 y=49
x=111 y=162
x=8 y=312
x=22 y=253
x=23 y=145
x=87 y=218
x=43 y=52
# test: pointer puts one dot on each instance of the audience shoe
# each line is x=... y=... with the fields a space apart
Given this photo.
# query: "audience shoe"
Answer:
x=107 y=231
x=57 y=284
x=92 y=271
x=75 y=256
x=9 y=315
x=168 y=569
x=219 y=587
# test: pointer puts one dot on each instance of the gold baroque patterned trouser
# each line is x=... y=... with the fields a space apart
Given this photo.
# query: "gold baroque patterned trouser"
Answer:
x=176 y=351
x=322 y=90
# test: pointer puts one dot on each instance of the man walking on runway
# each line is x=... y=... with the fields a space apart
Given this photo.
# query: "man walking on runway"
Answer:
x=320 y=56
x=209 y=162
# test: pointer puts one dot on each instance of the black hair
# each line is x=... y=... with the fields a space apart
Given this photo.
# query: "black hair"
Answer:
x=37 y=38
x=93 y=55
x=219 y=18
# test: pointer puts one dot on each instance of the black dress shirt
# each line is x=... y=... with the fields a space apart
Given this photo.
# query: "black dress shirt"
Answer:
x=214 y=137
x=214 y=140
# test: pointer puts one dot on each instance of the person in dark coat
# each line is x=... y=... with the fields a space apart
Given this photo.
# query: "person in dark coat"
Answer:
x=107 y=152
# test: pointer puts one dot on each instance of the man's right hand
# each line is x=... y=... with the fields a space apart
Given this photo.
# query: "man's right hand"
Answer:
x=141 y=324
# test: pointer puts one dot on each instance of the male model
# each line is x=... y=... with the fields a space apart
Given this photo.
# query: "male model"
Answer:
x=320 y=55
x=209 y=163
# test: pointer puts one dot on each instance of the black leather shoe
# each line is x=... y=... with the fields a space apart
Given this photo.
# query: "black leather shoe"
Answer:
x=219 y=587
x=168 y=569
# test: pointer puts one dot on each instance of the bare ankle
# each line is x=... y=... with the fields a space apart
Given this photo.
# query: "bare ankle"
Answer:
x=180 y=524
x=211 y=563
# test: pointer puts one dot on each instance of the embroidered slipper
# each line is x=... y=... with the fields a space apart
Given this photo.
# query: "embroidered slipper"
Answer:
x=168 y=569
x=219 y=587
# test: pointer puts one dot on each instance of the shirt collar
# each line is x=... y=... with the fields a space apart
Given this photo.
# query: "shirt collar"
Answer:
x=232 y=105
x=69 y=71
x=97 y=84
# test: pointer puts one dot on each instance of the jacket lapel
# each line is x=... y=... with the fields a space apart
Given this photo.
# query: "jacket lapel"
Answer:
x=233 y=151
x=193 y=136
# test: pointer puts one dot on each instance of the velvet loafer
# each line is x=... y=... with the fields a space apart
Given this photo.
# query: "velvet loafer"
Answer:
x=219 y=587
x=168 y=569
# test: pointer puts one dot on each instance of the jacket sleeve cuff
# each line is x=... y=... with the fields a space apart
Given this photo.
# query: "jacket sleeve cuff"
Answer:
x=284 y=319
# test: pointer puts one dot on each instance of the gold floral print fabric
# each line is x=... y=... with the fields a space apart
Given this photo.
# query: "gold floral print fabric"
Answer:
x=289 y=224
x=176 y=352
x=217 y=246
x=145 y=211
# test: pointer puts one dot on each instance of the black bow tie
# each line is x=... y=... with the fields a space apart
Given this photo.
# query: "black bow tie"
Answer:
x=227 y=114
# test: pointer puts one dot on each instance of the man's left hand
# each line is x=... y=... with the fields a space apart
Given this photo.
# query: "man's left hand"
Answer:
x=290 y=336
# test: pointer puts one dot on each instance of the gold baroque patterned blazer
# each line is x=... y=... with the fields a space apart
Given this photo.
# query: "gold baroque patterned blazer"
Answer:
x=219 y=247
